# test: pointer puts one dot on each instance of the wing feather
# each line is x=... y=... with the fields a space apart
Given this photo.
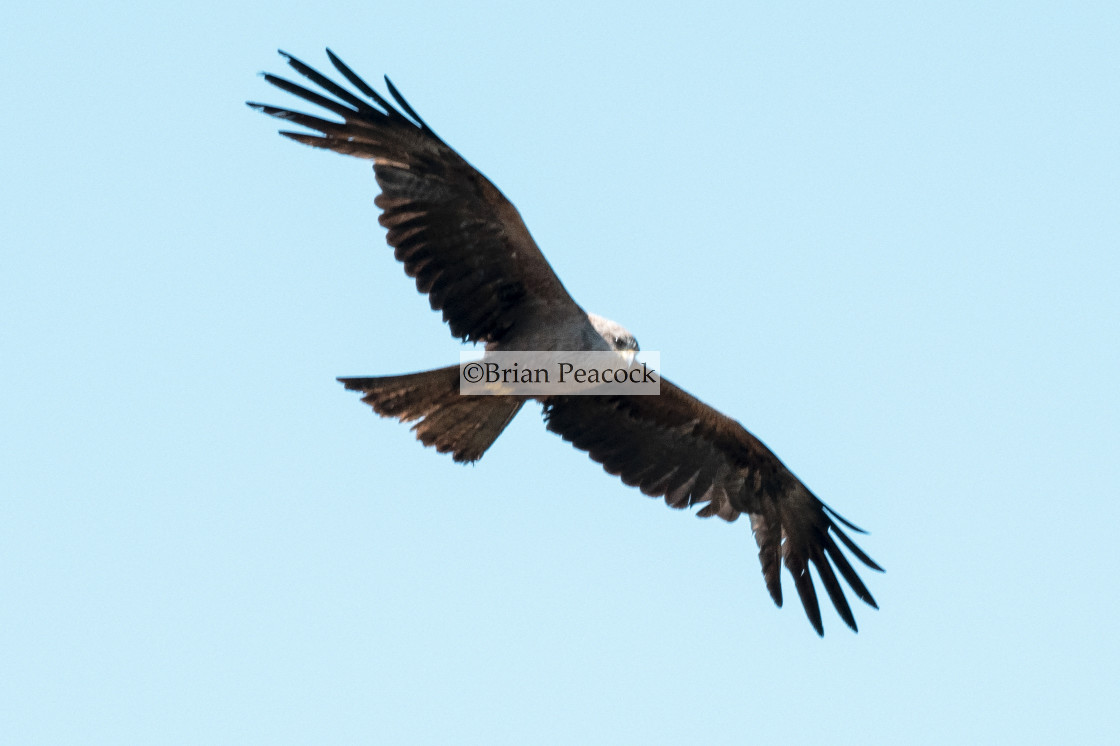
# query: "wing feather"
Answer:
x=457 y=235
x=675 y=446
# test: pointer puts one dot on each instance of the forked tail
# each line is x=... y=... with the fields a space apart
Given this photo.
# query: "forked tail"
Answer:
x=464 y=426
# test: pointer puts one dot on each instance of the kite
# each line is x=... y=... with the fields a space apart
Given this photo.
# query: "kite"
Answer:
x=468 y=250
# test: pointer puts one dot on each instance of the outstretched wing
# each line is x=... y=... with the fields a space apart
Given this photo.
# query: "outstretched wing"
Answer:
x=674 y=445
x=457 y=235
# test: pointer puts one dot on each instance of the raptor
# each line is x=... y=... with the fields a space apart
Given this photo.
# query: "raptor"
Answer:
x=468 y=250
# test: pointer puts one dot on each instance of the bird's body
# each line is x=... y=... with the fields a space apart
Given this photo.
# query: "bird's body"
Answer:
x=469 y=251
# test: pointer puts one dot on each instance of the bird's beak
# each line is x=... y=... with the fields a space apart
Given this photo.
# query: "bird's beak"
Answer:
x=628 y=356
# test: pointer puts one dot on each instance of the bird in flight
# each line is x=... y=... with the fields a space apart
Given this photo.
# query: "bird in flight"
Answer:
x=468 y=250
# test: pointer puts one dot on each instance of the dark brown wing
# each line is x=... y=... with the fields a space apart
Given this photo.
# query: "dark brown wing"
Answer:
x=461 y=239
x=674 y=445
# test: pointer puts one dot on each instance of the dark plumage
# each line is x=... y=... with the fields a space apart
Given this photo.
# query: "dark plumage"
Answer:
x=467 y=248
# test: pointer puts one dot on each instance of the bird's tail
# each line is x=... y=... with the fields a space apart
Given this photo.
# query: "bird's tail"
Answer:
x=464 y=426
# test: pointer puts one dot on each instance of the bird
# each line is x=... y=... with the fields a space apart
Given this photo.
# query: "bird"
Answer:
x=469 y=251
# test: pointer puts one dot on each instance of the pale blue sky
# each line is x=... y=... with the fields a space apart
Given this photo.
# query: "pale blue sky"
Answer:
x=884 y=236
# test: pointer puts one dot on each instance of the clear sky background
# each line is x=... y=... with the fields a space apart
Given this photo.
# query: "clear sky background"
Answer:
x=883 y=236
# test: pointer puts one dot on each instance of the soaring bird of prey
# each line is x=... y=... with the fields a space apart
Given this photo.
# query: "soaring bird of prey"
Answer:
x=468 y=250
